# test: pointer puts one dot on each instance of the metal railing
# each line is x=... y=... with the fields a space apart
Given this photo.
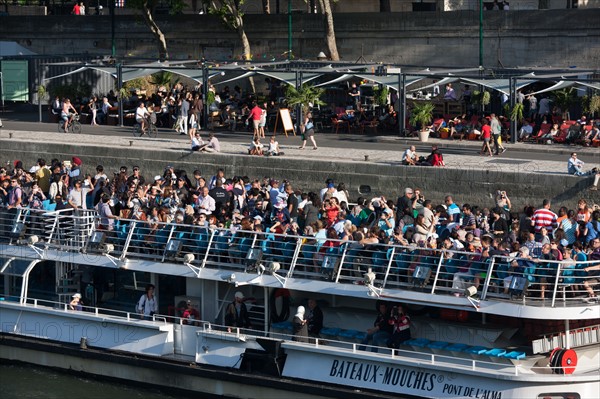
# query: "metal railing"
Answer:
x=393 y=267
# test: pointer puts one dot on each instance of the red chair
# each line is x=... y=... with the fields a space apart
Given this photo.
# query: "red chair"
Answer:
x=562 y=136
x=337 y=122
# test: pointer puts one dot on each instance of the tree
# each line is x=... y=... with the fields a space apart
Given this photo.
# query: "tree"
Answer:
x=325 y=6
x=146 y=8
x=230 y=13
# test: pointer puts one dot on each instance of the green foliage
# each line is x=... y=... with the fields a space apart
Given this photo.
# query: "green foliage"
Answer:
x=591 y=105
x=163 y=78
x=517 y=112
x=481 y=97
x=307 y=96
x=210 y=97
x=228 y=11
x=175 y=6
x=422 y=114
x=136 y=84
x=122 y=93
x=70 y=91
x=380 y=94
x=564 y=98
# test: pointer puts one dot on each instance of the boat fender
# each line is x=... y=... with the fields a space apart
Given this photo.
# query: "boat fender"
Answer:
x=563 y=361
x=280 y=305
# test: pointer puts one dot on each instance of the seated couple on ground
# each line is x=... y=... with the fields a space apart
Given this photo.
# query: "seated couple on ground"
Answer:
x=410 y=157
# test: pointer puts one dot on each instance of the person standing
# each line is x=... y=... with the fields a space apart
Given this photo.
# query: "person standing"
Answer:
x=148 y=304
x=255 y=115
x=184 y=113
x=300 y=326
x=496 y=131
x=308 y=131
x=237 y=313
x=486 y=135
x=314 y=318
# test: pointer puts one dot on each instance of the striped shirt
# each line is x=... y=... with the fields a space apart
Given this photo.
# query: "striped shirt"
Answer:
x=544 y=218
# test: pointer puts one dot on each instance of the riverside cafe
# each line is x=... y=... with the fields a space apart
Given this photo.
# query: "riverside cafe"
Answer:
x=409 y=82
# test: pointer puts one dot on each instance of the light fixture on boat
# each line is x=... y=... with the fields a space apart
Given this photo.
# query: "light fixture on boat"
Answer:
x=273 y=269
x=172 y=250
x=187 y=260
x=95 y=242
x=230 y=278
x=369 y=279
x=252 y=260
x=470 y=293
x=31 y=241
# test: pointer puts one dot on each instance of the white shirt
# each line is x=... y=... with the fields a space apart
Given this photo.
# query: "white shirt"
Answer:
x=206 y=204
x=408 y=154
x=214 y=144
x=197 y=142
x=140 y=113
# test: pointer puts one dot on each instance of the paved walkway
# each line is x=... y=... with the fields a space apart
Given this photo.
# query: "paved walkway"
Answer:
x=519 y=158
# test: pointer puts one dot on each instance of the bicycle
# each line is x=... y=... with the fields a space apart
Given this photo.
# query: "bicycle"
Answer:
x=72 y=127
x=151 y=131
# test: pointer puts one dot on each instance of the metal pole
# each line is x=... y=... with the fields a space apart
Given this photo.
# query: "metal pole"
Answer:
x=120 y=85
x=480 y=33
x=111 y=4
x=513 y=101
x=38 y=95
x=289 y=57
x=205 y=96
x=402 y=99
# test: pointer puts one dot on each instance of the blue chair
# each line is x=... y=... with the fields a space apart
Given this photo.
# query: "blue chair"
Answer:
x=48 y=205
x=515 y=355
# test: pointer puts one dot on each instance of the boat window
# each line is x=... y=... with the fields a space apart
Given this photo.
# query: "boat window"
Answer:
x=16 y=267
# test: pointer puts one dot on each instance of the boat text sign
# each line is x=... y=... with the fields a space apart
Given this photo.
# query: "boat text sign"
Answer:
x=394 y=377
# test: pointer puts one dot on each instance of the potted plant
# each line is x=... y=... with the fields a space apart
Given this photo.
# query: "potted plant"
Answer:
x=422 y=114
x=380 y=95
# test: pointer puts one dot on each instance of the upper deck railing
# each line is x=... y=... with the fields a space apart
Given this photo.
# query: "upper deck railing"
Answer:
x=393 y=267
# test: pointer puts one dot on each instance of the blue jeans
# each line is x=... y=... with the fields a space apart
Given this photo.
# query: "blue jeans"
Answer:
x=379 y=338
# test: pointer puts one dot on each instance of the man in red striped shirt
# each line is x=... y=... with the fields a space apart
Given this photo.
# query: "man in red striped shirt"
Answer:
x=544 y=217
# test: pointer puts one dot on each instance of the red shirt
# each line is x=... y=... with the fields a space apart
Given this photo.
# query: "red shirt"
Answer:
x=486 y=130
x=255 y=113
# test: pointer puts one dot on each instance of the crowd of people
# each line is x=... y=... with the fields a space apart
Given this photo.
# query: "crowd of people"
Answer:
x=215 y=200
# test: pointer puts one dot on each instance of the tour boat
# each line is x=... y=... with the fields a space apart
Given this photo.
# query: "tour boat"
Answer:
x=479 y=327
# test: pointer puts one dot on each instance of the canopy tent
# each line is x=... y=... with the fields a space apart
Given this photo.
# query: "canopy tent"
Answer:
x=562 y=84
x=390 y=81
x=9 y=49
x=501 y=85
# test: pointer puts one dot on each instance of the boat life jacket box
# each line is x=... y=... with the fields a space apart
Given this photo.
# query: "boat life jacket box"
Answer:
x=517 y=286
x=421 y=275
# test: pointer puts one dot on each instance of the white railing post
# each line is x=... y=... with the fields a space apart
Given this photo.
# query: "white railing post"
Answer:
x=389 y=266
x=437 y=272
x=295 y=258
x=210 y=240
x=488 y=278
x=337 y=277
x=555 y=285
x=128 y=240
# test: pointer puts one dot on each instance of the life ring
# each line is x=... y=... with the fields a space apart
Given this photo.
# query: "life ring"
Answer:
x=563 y=361
x=280 y=305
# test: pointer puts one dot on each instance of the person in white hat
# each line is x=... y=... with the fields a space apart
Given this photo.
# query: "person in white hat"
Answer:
x=237 y=313
x=76 y=303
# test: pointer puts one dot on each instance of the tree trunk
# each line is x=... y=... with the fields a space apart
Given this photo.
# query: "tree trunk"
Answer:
x=266 y=6
x=246 y=52
x=384 y=6
x=330 y=31
x=154 y=28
